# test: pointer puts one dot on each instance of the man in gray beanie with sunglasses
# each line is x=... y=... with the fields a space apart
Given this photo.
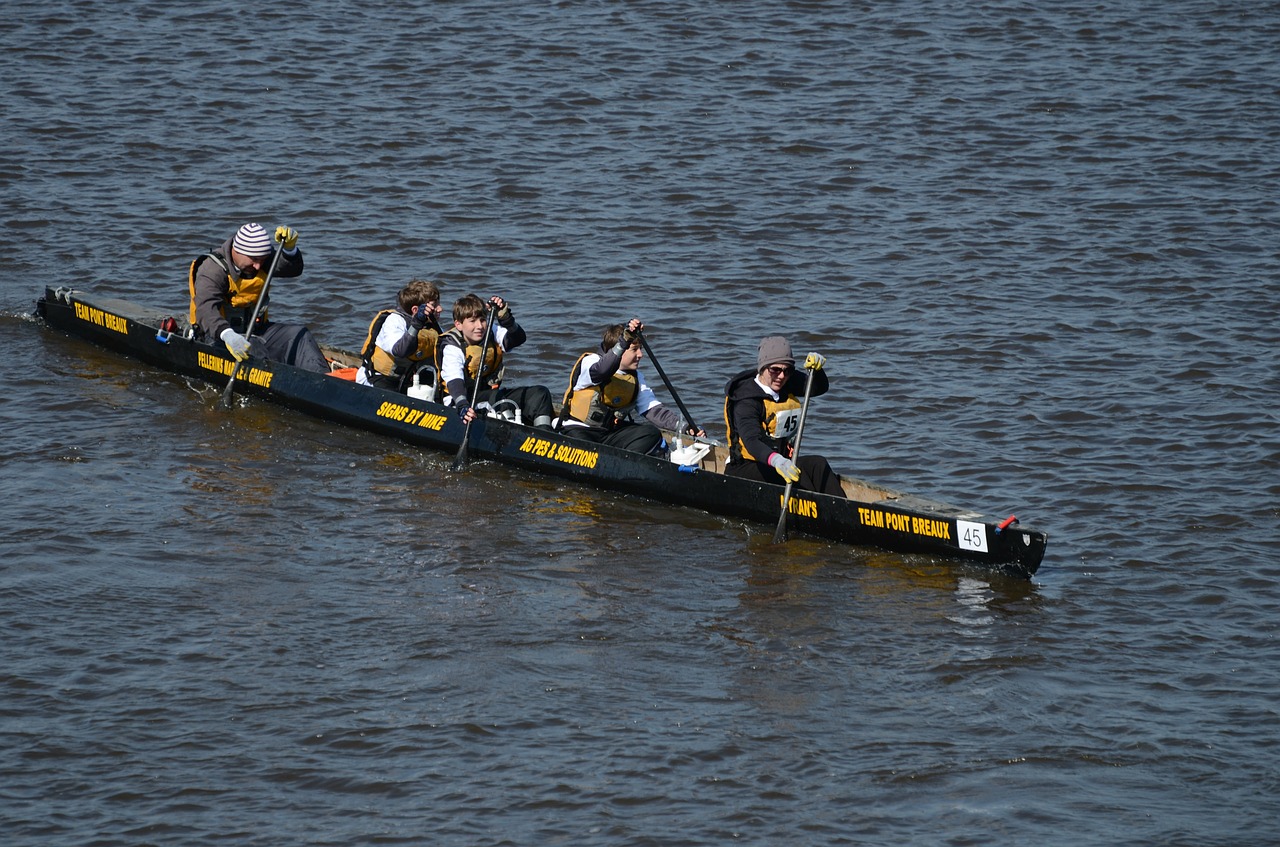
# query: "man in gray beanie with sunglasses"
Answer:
x=762 y=409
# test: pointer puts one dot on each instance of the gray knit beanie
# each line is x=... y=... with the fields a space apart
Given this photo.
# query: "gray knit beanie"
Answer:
x=774 y=350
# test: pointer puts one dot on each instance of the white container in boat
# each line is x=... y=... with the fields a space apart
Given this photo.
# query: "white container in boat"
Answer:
x=418 y=391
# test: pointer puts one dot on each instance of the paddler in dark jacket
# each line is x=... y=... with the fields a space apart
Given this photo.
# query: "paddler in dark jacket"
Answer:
x=762 y=410
x=224 y=286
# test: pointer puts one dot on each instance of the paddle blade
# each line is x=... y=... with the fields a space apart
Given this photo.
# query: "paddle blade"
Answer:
x=225 y=401
x=460 y=460
x=780 y=534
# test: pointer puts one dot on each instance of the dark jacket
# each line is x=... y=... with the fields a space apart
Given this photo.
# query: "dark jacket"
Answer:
x=745 y=413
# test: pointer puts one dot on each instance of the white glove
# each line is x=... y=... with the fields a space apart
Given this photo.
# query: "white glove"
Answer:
x=785 y=467
x=815 y=361
x=236 y=343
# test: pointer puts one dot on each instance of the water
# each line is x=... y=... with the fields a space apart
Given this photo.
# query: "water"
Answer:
x=1036 y=245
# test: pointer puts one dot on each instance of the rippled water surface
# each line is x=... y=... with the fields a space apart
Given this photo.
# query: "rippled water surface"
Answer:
x=1037 y=245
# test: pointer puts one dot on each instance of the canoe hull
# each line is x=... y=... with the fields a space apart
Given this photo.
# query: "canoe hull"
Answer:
x=872 y=516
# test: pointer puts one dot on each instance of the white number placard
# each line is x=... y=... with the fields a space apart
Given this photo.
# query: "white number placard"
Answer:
x=972 y=536
x=787 y=423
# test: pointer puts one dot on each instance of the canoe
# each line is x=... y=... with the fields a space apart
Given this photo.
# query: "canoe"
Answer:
x=871 y=516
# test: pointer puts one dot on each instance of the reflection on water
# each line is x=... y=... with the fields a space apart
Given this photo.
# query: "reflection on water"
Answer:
x=973 y=618
x=973 y=595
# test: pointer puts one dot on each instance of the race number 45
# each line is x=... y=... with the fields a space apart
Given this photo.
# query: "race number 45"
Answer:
x=971 y=536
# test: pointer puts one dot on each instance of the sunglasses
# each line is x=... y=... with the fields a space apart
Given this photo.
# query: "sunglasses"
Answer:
x=778 y=370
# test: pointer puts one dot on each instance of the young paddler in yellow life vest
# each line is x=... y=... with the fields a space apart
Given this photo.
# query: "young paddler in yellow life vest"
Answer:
x=402 y=339
x=607 y=393
x=762 y=411
x=459 y=366
x=224 y=285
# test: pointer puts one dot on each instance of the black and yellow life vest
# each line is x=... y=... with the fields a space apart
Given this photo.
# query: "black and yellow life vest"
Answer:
x=779 y=425
x=490 y=374
x=244 y=291
x=600 y=405
x=381 y=361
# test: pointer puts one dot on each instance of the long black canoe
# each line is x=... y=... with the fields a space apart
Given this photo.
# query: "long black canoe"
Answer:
x=871 y=516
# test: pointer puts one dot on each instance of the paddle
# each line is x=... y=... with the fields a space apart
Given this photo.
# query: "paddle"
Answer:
x=460 y=460
x=648 y=351
x=225 y=402
x=780 y=534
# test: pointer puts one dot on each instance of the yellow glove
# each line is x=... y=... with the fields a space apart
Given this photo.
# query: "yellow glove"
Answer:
x=287 y=236
x=237 y=344
x=815 y=361
x=785 y=467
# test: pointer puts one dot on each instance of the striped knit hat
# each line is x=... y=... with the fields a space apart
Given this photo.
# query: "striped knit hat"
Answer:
x=252 y=240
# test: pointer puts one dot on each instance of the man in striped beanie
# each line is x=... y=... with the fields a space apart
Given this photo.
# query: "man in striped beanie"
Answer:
x=225 y=285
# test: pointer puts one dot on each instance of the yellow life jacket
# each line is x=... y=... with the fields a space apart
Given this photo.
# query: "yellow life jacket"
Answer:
x=244 y=291
x=780 y=424
x=490 y=374
x=377 y=359
x=599 y=405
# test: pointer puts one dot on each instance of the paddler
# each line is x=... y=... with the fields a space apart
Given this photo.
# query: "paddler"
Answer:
x=609 y=402
x=402 y=339
x=225 y=285
x=762 y=410
x=469 y=360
